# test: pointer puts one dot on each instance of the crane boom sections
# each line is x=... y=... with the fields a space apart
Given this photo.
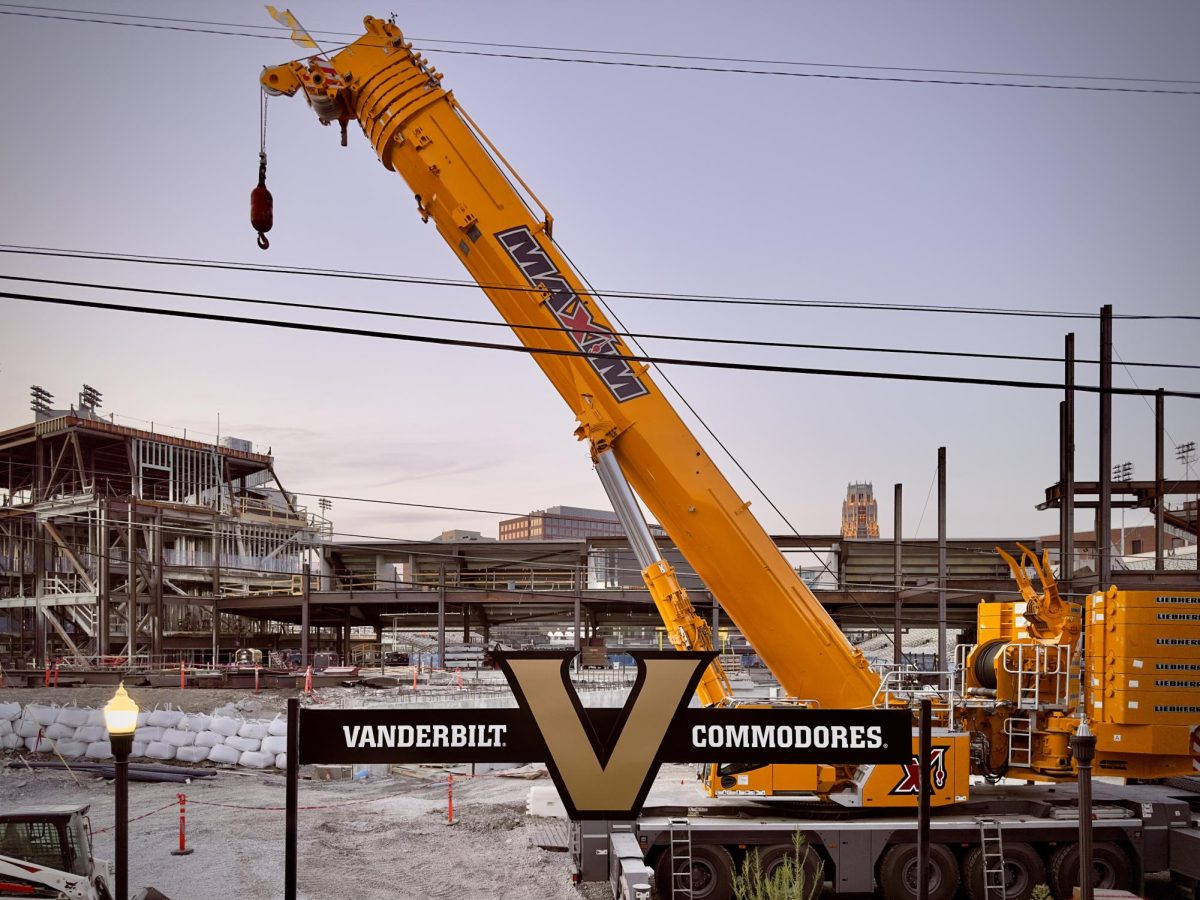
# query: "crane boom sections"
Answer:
x=418 y=132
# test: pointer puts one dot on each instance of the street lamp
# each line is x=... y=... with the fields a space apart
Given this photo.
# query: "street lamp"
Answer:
x=120 y=718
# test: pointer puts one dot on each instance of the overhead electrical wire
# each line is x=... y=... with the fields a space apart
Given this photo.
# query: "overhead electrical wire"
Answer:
x=657 y=360
x=559 y=329
x=732 y=59
x=229 y=29
x=23 y=250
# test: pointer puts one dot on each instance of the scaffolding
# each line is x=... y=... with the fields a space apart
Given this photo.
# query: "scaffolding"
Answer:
x=114 y=541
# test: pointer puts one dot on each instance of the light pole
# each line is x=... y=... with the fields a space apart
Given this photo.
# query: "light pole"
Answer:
x=120 y=718
x=1123 y=472
x=1186 y=454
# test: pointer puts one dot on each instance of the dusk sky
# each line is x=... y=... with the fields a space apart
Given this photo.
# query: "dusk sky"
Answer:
x=880 y=186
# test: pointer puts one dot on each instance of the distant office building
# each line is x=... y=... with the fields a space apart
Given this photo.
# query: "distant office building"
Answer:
x=558 y=523
x=860 y=512
x=461 y=534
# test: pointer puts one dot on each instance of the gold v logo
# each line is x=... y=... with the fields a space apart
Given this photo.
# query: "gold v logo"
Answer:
x=604 y=776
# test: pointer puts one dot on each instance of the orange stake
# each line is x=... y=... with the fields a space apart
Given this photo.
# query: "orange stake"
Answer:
x=182 y=682
x=450 y=799
x=184 y=849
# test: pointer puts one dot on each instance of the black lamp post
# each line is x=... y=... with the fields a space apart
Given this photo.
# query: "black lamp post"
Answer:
x=1083 y=748
x=120 y=718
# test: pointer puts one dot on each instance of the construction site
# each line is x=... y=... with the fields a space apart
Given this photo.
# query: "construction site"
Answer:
x=215 y=682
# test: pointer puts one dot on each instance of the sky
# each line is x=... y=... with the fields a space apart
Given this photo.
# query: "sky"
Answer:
x=136 y=140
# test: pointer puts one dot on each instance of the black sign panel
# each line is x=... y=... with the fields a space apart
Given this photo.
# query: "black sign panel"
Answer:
x=604 y=760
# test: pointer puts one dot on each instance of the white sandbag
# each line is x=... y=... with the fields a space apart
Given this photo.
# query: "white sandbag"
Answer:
x=277 y=726
x=99 y=750
x=39 y=745
x=58 y=731
x=96 y=717
x=209 y=739
x=11 y=741
x=165 y=718
x=90 y=733
x=243 y=744
x=148 y=733
x=226 y=725
x=281 y=761
x=10 y=711
x=28 y=728
x=192 y=754
x=143 y=717
x=139 y=748
x=160 y=750
x=43 y=715
x=256 y=730
x=72 y=716
x=70 y=749
x=274 y=744
x=196 y=723
x=6 y=727
x=224 y=754
x=178 y=738
x=255 y=759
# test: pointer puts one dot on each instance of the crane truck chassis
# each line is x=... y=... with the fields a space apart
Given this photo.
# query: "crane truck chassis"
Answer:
x=1018 y=696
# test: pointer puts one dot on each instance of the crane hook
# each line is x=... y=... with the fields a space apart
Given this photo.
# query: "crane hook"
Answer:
x=262 y=205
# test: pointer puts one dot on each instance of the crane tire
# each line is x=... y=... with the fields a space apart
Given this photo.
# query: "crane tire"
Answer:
x=712 y=873
x=898 y=872
x=770 y=858
x=1023 y=871
x=1111 y=869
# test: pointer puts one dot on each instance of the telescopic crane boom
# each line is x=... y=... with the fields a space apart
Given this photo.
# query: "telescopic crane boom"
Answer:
x=462 y=184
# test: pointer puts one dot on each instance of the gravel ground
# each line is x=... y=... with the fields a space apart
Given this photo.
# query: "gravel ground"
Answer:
x=385 y=837
x=381 y=837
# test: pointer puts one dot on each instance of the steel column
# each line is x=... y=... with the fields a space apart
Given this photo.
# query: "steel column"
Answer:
x=898 y=571
x=1067 y=548
x=941 y=564
x=1159 y=498
x=1104 y=510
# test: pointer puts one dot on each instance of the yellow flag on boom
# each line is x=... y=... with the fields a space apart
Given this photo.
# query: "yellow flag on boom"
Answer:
x=299 y=35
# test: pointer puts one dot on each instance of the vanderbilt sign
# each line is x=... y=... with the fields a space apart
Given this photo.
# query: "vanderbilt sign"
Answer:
x=603 y=761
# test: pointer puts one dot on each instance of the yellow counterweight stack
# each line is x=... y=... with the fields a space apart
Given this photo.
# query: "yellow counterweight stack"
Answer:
x=1142 y=665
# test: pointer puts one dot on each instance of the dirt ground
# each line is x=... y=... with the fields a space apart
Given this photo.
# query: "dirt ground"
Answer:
x=382 y=837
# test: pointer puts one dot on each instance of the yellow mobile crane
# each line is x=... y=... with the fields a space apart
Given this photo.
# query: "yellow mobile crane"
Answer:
x=1018 y=701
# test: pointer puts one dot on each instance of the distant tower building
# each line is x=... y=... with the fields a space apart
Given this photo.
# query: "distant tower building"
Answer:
x=860 y=512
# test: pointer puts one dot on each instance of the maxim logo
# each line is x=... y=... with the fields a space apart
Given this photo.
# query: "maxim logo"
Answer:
x=601 y=345
x=603 y=761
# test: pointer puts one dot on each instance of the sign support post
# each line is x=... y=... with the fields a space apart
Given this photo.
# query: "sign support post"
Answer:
x=293 y=801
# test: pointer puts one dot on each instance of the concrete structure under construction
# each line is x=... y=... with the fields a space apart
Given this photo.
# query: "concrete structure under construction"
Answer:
x=115 y=541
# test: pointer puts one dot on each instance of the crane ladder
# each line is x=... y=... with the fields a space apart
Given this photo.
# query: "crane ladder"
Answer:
x=992 y=845
x=681 y=859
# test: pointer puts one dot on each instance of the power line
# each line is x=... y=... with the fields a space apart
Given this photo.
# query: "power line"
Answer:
x=592 y=50
x=545 y=351
x=229 y=29
x=558 y=329
x=188 y=262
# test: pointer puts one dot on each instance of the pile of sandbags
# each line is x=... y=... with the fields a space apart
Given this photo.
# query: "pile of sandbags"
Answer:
x=74 y=732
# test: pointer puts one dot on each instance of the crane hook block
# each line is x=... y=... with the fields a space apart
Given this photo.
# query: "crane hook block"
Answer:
x=262 y=205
